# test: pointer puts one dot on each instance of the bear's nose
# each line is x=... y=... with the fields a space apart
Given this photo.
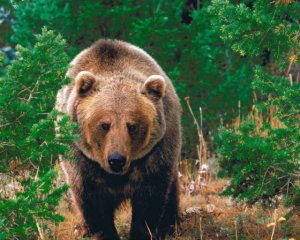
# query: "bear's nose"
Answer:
x=116 y=162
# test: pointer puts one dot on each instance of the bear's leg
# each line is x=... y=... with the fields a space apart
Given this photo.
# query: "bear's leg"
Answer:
x=98 y=214
x=148 y=206
x=170 y=219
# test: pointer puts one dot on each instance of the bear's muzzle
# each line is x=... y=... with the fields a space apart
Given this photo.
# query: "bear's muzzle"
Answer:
x=116 y=162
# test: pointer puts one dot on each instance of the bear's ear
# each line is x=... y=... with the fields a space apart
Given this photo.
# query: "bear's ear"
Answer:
x=85 y=82
x=155 y=87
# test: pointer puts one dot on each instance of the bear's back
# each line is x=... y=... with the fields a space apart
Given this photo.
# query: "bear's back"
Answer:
x=114 y=57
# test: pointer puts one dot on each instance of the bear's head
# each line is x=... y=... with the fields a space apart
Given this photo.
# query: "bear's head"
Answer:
x=119 y=121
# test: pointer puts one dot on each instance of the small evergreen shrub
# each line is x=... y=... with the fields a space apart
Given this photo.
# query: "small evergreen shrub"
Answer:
x=29 y=145
x=262 y=155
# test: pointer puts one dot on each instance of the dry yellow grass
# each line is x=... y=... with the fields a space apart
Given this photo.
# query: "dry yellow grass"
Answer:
x=205 y=215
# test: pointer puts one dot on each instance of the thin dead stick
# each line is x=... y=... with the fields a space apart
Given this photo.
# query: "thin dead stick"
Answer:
x=187 y=99
x=37 y=174
x=32 y=92
x=291 y=79
x=236 y=232
x=275 y=217
x=201 y=135
x=151 y=238
x=40 y=231
x=201 y=233
x=4 y=125
x=239 y=107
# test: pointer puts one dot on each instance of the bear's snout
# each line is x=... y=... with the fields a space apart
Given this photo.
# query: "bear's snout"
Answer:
x=116 y=162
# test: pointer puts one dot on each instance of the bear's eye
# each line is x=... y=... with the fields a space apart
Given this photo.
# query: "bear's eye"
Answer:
x=105 y=126
x=131 y=127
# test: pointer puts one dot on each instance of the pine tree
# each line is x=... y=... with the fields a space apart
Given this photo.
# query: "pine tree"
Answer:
x=29 y=145
x=264 y=158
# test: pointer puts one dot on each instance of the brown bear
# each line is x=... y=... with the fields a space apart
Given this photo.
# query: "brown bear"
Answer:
x=128 y=117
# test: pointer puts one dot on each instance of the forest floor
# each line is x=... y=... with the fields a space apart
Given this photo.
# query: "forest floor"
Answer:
x=207 y=215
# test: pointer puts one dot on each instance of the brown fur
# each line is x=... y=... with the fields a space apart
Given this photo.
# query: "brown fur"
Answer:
x=120 y=85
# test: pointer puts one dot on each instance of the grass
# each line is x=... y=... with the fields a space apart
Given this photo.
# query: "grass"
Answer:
x=206 y=215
